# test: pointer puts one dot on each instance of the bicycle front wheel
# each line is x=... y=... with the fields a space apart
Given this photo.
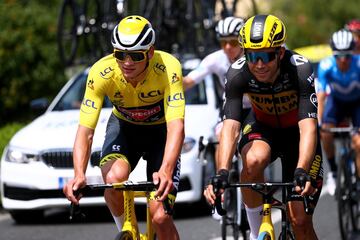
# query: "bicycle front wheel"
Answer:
x=230 y=219
x=347 y=211
x=264 y=236
x=125 y=235
x=67 y=38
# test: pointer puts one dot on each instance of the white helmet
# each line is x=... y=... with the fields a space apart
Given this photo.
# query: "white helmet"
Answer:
x=133 y=33
x=342 y=41
x=229 y=27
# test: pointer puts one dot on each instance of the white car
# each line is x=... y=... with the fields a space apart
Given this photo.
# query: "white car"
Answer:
x=37 y=162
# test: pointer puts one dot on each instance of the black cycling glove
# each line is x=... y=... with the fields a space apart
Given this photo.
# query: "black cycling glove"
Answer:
x=220 y=180
x=301 y=177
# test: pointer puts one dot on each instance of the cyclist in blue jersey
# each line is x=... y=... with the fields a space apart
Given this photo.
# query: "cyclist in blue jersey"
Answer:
x=341 y=73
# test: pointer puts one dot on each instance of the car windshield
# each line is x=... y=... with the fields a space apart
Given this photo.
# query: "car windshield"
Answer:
x=73 y=96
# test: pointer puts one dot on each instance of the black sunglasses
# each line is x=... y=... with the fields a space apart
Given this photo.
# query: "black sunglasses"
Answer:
x=136 y=56
x=265 y=57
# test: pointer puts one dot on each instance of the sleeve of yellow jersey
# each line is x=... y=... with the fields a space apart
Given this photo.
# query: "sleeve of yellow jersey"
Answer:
x=92 y=101
x=174 y=98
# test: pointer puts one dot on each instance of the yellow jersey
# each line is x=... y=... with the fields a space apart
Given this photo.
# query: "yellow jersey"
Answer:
x=157 y=99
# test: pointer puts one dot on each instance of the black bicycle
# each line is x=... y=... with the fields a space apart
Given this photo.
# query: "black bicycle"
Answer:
x=184 y=26
x=235 y=220
x=347 y=194
x=84 y=29
x=267 y=190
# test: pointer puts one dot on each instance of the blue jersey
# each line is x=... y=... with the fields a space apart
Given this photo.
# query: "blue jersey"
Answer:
x=344 y=86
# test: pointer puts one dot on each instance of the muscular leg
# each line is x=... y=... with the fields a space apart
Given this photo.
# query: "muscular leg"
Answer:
x=256 y=156
x=115 y=171
x=301 y=223
x=163 y=223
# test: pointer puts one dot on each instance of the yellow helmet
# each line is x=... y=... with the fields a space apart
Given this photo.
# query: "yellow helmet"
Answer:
x=262 y=31
x=133 y=33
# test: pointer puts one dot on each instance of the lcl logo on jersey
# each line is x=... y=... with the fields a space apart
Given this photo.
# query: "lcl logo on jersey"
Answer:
x=175 y=100
x=150 y=97
x=105 y=73
x=160 y=67
x=89 y=103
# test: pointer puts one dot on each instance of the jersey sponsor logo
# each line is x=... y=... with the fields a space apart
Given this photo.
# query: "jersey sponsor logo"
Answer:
x=151 y=96
x=176 y=178
x=89 y=103
x=118 y=95
x=298 y=60
x=139 y=115
x=275 y=104
x=312 y=115
x=90 y=84
x=174 y=78
x=313 y=100
x=106 y=73
x=315 y=167
x=159 y=67
x=116 y=148
x=252 y=136
x=239 y=63
x=310 y=79
x=176 y=100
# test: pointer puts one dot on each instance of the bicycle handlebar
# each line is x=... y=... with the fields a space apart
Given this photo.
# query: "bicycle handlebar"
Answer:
x=264 y=189
x=124 y=186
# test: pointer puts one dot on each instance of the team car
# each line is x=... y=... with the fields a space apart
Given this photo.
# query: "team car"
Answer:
x=37 y=162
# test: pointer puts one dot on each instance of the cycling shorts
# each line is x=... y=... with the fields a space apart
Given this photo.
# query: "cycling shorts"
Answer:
x=336 y=111
x=284 y=143
x=131 y=142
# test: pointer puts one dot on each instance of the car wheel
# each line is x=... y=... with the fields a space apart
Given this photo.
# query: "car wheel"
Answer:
x=27 y=216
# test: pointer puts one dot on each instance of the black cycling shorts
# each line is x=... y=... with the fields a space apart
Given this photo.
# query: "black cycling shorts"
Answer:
x=135 y=141
x=284 y=143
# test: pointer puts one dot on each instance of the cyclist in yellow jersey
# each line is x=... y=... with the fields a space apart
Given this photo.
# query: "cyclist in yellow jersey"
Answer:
x=145 y=88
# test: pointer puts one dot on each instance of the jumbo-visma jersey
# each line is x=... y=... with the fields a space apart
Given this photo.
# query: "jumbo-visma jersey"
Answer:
x=157 y=99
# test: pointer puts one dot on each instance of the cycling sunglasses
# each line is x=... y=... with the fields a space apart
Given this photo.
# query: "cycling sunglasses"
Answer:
x=232 y=42
x=136 y=56
x=265 y=57
x=346 y=56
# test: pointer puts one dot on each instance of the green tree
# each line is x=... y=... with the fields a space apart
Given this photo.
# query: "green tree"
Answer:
x=313 y=21
x=30 y=67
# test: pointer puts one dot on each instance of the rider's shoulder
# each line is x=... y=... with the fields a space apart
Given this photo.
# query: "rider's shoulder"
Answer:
x=104 y=68
x=162 y=61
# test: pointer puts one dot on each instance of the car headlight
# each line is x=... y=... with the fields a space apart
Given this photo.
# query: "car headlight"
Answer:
x=17 y=156
x=188 y=144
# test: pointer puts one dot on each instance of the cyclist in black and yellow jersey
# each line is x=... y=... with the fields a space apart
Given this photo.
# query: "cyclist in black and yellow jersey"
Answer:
x=283 y=122
x=146 y=90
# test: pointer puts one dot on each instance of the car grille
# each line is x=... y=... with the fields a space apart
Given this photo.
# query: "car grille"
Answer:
x=64 y=159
